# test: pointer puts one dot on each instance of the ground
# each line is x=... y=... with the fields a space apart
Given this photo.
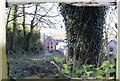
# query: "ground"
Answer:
x=32 y=64
x=40 y=65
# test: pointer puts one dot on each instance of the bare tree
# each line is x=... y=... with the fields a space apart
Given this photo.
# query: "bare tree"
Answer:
x=8 y=16
x=31 y=16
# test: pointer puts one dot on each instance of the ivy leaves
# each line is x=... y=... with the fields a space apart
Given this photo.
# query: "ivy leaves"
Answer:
x=84 y=26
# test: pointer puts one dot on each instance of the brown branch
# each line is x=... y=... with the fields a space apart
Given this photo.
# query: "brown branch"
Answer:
x=8 y=17
x=32 y=21
x=13 y=18
x=59 y=69
x=42 y=16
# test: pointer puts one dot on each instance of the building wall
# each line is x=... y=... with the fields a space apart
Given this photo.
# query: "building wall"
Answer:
x=112 y=48
x=50 y=44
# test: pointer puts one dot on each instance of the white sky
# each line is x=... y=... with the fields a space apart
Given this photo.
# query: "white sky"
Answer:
x=111 y=19
x=59 y=20
x=54 y=11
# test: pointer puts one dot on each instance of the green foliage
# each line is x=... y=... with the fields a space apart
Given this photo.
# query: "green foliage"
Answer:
x=86 y=71
x=35 y=44
x=57 y=60
x=66 y=69
x=105 y=69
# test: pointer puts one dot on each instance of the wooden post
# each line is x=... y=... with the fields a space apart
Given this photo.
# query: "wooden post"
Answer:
x=118 y=44
x=3 y=61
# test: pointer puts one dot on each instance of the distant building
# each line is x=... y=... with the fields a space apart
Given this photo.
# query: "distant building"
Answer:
x=49 y=44
x=61 y=46
x=58 y=41
x=112 y=48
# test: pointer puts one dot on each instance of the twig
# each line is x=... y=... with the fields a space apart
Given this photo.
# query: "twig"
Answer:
x=52 y=62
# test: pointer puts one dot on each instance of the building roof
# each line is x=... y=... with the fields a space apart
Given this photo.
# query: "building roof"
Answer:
x=49 y=37
x=54 y=33
x=114 y=41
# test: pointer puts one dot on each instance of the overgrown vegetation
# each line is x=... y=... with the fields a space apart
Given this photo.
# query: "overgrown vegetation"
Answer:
x=19 y=36
x=104 y=71
x=25 y=65
x=35 y=44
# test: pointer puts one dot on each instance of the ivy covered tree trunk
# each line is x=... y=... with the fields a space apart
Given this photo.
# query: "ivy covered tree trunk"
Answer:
x=84 y=26
x=14 y=26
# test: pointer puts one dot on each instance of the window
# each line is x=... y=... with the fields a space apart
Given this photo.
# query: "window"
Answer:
x=48 y=48
x=110 y=49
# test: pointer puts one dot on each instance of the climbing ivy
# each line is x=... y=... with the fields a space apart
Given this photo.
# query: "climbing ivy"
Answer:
x=84 y=26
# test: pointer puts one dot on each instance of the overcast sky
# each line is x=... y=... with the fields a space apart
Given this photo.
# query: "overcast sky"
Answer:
x=110 y=19
x=54 y=11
